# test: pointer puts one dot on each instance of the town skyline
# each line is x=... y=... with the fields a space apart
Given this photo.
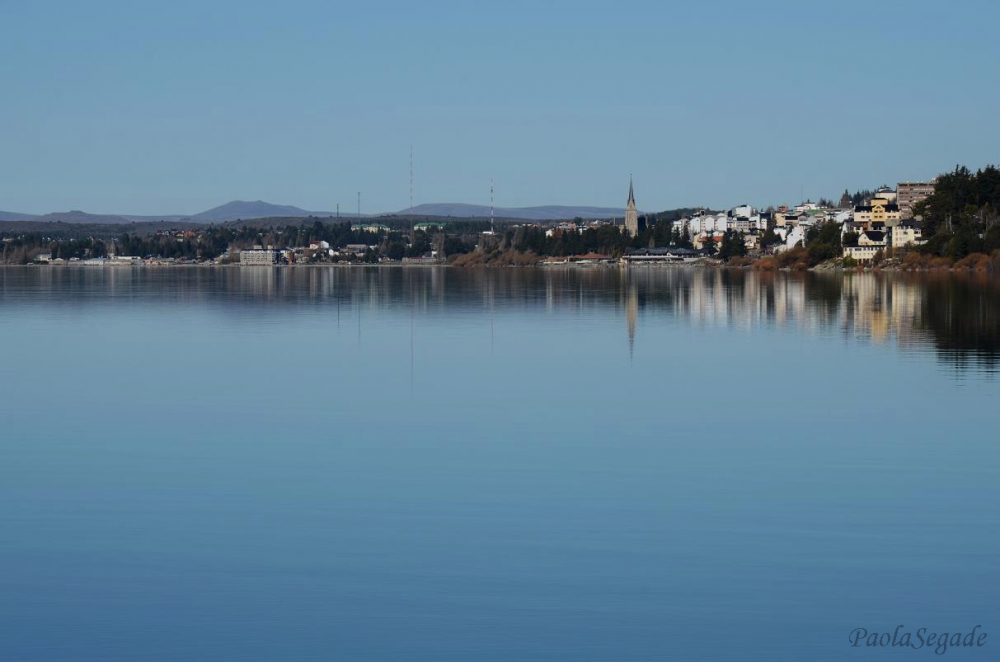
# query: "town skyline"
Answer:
x=433 y=208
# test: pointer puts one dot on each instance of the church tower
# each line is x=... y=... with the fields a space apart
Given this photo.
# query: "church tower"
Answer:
x=631 y=213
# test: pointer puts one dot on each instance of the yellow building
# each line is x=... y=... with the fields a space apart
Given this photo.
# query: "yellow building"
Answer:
x=880 y=214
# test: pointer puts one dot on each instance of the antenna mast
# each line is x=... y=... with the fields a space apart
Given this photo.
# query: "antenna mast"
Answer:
x=491 y=206
x=411 y=180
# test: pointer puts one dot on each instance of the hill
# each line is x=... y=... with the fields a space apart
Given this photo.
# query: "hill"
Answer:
x=16 y=216
x=543 y=213
x=240 y=209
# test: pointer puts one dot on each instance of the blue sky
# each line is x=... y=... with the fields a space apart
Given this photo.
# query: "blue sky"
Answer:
x=174 y=107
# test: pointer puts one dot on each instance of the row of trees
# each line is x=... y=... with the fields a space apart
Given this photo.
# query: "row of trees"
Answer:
x=961 y=216
x=848 y=199
x=604 y=239
x=607 y=239
x=213 y=242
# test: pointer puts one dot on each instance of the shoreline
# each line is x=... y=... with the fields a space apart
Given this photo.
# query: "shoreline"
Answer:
x=979 y=269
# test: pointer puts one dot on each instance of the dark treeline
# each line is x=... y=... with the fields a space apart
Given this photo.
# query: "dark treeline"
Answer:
x=961 y=216
x=848 y=199
x=607 y=239
x=212 y=242
x=604 y=239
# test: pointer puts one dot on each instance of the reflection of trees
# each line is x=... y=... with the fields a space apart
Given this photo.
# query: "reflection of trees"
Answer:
x=958 y=315
x=962 y=315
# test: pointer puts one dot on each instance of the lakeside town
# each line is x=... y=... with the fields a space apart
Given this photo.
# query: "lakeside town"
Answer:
x=950 y=221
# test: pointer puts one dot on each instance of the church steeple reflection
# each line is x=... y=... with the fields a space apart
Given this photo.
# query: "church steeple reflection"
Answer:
x=631 y=315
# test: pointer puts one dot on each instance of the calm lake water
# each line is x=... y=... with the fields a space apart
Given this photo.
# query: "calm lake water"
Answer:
x=510 y=464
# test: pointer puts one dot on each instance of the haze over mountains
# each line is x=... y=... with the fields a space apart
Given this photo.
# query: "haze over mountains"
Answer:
x=243 y=210
x=231 y=211
x=542 y=213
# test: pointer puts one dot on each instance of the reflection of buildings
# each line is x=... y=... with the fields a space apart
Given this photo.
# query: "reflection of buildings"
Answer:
x=876 y=308
x=957 y=316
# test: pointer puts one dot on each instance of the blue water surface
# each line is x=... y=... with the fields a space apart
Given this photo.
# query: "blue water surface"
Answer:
x=511 y=464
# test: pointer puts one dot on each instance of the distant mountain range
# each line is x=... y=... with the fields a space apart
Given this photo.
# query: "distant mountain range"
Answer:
x=543 y=213
x=14 y=216
x=240 y=209
x=231 y=211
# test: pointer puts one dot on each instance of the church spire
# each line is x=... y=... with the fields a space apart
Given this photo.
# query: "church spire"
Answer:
x=631 y=213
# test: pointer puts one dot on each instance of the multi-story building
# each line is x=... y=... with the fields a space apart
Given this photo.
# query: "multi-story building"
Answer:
x=907 y=233
x=258 y=256
x=910 y=193
x=869 y=243
x=789 y=219
x=879 y=214
x=374 y=228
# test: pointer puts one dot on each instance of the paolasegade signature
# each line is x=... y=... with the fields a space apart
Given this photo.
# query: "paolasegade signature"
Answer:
x=940 y=642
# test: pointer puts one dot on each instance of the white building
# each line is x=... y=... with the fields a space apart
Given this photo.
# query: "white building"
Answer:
x=907 y=233
x=796 y=236
x=869 y=243
x=258 y=256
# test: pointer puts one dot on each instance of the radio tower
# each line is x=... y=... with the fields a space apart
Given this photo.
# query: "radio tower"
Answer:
x=491 y=205
x=411 y=180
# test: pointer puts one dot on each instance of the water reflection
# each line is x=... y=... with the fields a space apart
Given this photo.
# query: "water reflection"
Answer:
x=958 y=317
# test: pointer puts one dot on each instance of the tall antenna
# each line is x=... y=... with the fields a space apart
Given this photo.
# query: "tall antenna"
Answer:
x=411 y=179
x=359 y=206
x=338 y=211
x=491 y=205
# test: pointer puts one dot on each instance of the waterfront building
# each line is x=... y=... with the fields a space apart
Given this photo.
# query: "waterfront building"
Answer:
x=258 y=257
x=668 y=254
x=354 y=249
x=870 y=242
